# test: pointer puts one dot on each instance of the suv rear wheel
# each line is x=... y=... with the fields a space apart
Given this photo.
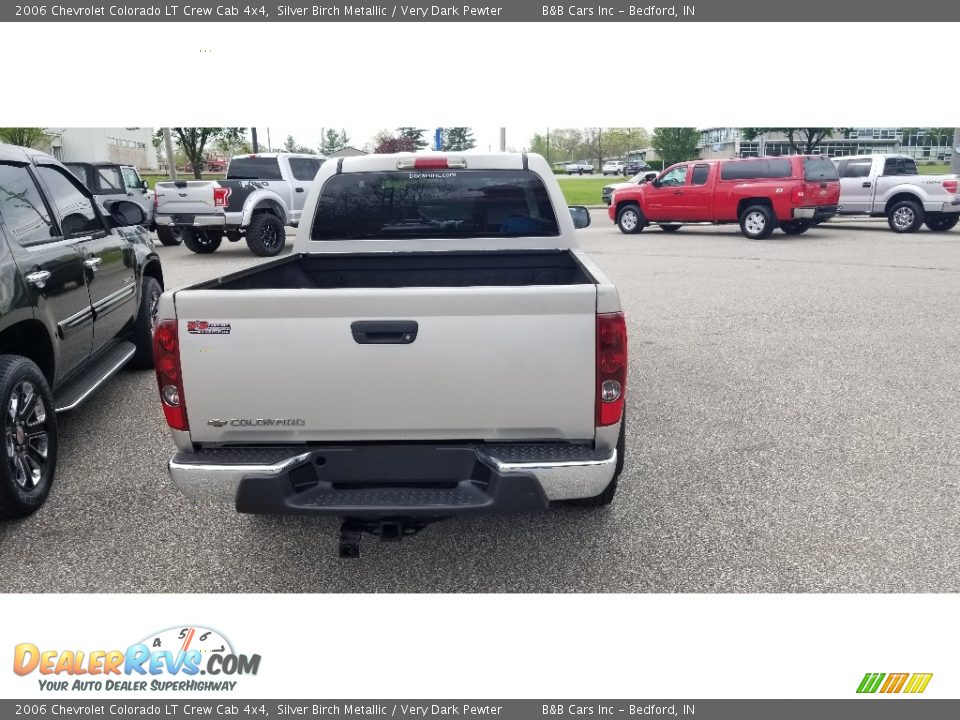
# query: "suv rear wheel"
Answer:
x=168 y=236
x=938 y=222
x=756 y=222
x=630 y=219
x=905 y=216
x=28 y=427
x=202 y=242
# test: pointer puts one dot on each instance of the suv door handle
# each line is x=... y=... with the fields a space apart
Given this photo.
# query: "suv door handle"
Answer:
x=299 y=189
x=38 y=278
x=678 y=192
x=867 y=184
x=93 y=263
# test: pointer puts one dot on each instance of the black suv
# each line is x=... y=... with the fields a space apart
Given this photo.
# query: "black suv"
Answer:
x=78 y=294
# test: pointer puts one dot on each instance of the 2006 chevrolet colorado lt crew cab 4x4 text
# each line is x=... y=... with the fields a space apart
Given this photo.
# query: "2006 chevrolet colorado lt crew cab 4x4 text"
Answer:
x=436 y=345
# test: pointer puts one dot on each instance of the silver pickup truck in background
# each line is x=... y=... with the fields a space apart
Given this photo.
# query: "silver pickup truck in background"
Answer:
x=436 y=345
x=889 y=186
x=261 y=195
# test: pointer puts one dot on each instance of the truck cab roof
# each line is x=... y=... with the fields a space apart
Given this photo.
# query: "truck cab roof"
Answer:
x=15 y=153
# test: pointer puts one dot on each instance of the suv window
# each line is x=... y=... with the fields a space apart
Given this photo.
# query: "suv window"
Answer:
x=77 y=215
x=856 y=168
x=110 y=180
x=305 y=168
x=677 y=176
x=434 y=204
x=756 y=169
x=254 y=168
x=22 y=210
x=131 y=179
x=700 y=174
x=819 y=168
x=900 y=166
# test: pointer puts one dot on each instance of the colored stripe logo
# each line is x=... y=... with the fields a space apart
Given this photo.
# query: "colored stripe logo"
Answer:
x=914 y=683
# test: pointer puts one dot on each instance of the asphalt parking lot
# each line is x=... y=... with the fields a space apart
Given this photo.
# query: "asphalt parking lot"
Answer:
x=793 y=427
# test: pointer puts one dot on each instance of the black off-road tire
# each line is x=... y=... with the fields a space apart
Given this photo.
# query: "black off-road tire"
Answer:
x=941 y=222
x=202 y=242
x=266 y=235
x=757 y=222
x=630 y=219
x=905 y=216
x=142 y=335
x=21 y=495
x=795 y=227
x=168 y=236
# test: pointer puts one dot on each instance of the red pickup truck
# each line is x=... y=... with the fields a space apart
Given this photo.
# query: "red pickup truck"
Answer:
x=793 y=192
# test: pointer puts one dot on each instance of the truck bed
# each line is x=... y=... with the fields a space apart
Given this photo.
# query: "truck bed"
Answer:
x=409 y=269
x=398 y=346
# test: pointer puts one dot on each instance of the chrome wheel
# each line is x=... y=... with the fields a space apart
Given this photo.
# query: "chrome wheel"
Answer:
x=26 y=437
x=629 y=220
x=904 y=217
x=755 y=222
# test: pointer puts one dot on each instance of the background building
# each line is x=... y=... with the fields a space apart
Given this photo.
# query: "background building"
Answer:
x=728 y=142
x=127 y=146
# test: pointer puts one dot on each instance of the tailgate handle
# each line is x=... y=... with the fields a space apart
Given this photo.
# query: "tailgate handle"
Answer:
x=384 y=332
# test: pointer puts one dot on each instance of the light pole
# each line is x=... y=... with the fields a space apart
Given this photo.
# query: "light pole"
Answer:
x=955 y=159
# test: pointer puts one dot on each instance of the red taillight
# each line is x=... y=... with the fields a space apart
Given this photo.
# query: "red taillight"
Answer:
x=950 y=186
x=611 y=367
x=220 y=196
x=166 y=356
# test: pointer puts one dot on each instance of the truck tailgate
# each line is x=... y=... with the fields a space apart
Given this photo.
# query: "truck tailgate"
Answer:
x=194 y=197
x=487 y=363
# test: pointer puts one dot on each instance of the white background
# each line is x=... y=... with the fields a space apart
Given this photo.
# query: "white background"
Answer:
x=522 y=76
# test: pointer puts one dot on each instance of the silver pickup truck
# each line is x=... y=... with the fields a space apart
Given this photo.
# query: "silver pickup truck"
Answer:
x=889 y=186
x=261 y=194
x=435 y=345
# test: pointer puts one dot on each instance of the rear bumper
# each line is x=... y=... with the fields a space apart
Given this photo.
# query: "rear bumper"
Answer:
x=820 y=212
x=191 y=220
x=370 y=482
x=950 y=207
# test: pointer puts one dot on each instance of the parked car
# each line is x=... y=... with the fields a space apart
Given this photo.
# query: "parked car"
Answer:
x=579 y=167
x=261 y=195
x=640 y=177
x=635 y=165
x=791 y=193
x=614 y=167
x=889 y=186
x=459 y=275
x=80 y=291
x=111 y=182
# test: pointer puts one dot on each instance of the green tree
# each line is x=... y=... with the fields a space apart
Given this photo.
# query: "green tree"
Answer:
x=457 y=139
x=334 y=140
x=803 y=141
x=414 y=135
x=674 y=145
x=619 y=141
x=193 y=142
x=292 y=146
x=36 y=138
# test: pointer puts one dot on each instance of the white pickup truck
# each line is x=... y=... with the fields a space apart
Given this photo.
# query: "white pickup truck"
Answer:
x=435 y=345
x=261 y=194
x=889 y=186
x=579 y=167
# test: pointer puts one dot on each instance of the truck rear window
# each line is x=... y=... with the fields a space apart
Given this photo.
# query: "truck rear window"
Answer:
x=254 y=168
x=819 y=168
x=756 y=169
x=434 y=204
